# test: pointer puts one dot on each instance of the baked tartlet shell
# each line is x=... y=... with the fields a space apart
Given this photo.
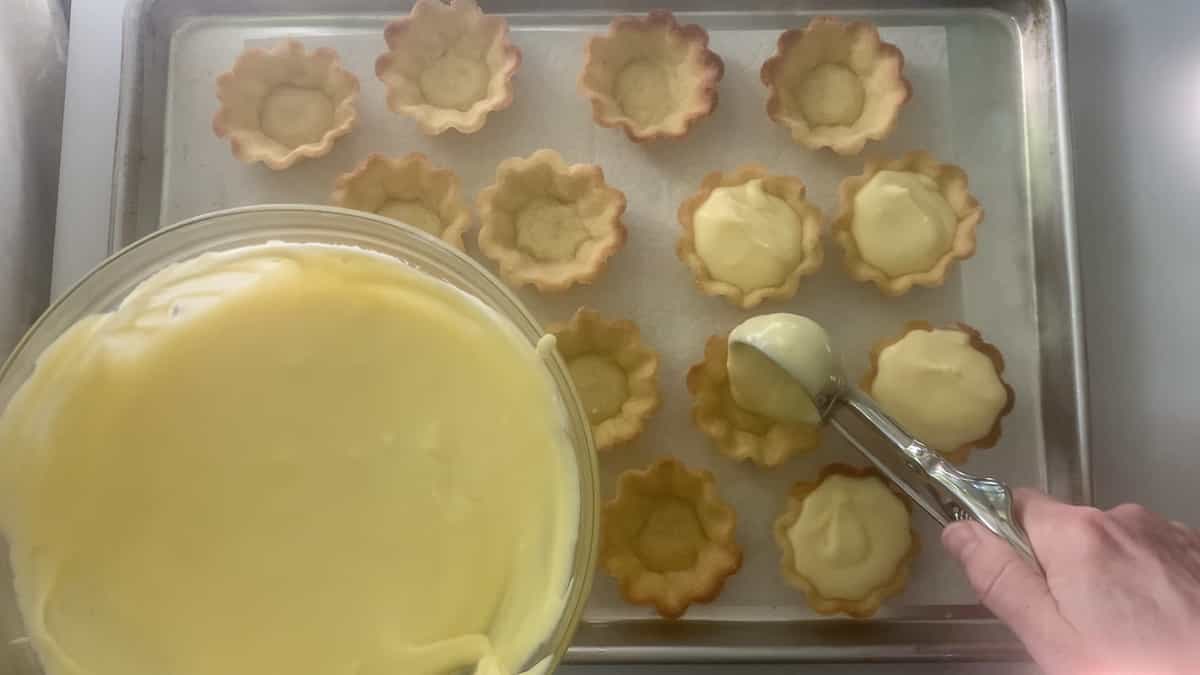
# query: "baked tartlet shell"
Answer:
x=451 y=203
x=853 y=143
x=641 y=378
x=710 y=65
x=672 y=596
x=518 y=269
x=860 y=608
x=436 y=120
x=960 y=454
x=788 y=188
x=251 y=152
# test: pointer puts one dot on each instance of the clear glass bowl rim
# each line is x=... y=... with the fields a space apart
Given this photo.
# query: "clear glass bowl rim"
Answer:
x=108 y=283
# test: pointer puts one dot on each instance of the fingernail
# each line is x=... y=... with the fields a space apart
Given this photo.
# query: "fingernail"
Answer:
x=957 y=538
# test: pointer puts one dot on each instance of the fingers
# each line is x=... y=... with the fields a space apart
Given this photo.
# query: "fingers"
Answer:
x=1135 y=523
x=1025 y=498
x=1007 y=585
x=1135 y=516
x=1035 y=510
x=1044 y=519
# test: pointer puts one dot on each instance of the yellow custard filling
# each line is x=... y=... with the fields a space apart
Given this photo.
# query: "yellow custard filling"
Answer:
x=747 y=237
x=301 y=459
x=850 y=536
x=939 y=388
x=777 y=363
x=902 y=224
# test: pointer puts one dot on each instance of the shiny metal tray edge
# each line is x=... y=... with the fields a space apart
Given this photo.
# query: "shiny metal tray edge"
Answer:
x=1040 y=25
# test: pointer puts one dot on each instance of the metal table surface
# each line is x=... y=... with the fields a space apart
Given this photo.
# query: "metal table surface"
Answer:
x=33 y=65
x=1134 y=73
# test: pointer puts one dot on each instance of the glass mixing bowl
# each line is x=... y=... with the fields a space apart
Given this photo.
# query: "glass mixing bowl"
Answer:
x=104 y=288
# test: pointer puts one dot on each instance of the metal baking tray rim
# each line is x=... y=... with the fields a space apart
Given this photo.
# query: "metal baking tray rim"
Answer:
x=655 y=641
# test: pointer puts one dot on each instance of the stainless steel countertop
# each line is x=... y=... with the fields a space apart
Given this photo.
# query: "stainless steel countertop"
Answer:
x=33 y=66
x=1134 y=80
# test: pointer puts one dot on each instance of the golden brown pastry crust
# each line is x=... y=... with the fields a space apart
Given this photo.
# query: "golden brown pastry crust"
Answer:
x=788 y=188
x=603 y=54
x=588 y=333
x=597 y=206
x=379 y=179
x=255 y=73
x=715 y=552
x=435 y=27
x=739 y=433
x=855 y=45
x=960 y=454
x=861 y=608
x=952 y=181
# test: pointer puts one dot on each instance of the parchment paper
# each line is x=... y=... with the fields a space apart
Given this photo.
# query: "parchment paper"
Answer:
x=645 y=282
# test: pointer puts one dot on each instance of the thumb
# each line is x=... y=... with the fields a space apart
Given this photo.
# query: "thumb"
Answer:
x=1007 y=585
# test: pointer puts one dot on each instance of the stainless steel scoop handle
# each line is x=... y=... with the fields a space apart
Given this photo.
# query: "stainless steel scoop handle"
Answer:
x=941 y=489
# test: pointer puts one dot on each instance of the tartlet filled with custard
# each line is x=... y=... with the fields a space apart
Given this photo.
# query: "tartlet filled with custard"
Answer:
x=905 y=222
x=846 y=540
x=943 y=385
x=750 y=235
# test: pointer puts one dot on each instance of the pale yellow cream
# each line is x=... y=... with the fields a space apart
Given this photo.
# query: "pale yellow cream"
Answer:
x=747 y=237
x=850 y=537
x=939 y=388
x=777 y=363
x=309 y=460
x=902 y=224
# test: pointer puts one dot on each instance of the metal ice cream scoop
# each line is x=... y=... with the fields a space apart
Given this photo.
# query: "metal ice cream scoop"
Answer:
x=783 y=366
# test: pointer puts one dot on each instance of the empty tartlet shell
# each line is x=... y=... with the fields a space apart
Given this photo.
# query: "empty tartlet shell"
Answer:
x=582 y=184
x=255 y=72
x=595 y=81
x=739 y=433
x=860 y=608
x=960 y=454
x=427 y=29
x=620 y=340
x=624 y=516
x=788 y=188
x=379 y=179
x=865 y=53
x=952 y=182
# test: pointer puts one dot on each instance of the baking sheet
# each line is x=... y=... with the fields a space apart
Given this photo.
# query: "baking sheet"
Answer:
x=645 y=282
x=988 y=80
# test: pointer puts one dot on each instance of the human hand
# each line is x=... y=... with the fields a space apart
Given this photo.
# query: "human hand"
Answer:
x=1120 y=595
